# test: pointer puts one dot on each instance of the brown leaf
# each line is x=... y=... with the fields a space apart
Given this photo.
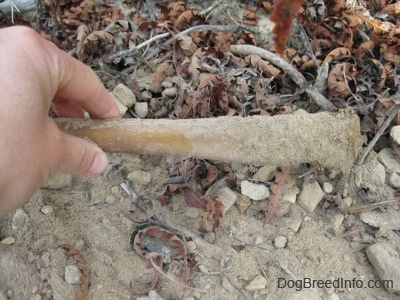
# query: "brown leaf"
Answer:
x=159 y=75
x=242 y=203
x=281 y=179
x=195 y=65
x=82 y=265
x=264 y=66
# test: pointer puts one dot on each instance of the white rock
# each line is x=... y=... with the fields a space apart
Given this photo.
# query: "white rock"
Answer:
x=258 y=283
x=192 y=247
x=310 y=195
x=337 y=220
x=394 y=180
x=47 y=209
x=192 y=212
x=258 y=240
x=228 y=198
x=110 y=200
x=395 y=134
x=203 y=269
x=254 y=191
x=290 y=193
x=139 y=177
x=35 y=297
x=280 y=242
x=389 y=220
x=58 y=181
x=265 y=173
x=327 y=187
x=8 y=240
x=72 y=275
x=20 y=220
x=124 y=95
x=170 y=92
x=387 y=158
x=141 y=109
x=295 y=225
x=154 y=296
x=371 y=174
x=386 y=263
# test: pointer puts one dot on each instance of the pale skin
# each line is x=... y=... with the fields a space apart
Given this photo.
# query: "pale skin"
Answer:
x=36 y=75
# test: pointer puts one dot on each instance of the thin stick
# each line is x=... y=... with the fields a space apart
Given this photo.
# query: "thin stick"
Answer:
x=368 y=207
x=294 y=74
x=378 y=135
x=124 y=53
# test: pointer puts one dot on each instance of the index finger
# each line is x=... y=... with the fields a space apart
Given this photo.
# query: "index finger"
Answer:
x=78 y=84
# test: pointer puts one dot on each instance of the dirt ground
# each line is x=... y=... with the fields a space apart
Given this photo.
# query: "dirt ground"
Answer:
x=244 y=258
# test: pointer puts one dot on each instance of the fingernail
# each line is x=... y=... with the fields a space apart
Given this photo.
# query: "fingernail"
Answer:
x=99 y=164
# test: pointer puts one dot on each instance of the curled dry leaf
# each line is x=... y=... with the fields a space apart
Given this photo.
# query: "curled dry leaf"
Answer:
x=81 y=33
x=264 y=66
x=338 y=55
x=337 y=84
x=82 y=265
x=160 y=74
x=393 y=54
x=141 y=210
x=316 y=10
x=195 y=65
x=159 y=247
x=186 y=44
x=336 y=30
x=282 y=177
x=211 y=217
x=242 y=203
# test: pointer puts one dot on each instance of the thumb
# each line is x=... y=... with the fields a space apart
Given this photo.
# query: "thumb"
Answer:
x=80 y=157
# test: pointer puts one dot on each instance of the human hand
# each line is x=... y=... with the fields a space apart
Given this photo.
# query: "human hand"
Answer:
x=36 y=73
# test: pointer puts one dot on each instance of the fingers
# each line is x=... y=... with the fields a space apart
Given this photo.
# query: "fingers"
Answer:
x=73 y=155
x=79 y=84
x=66 y=108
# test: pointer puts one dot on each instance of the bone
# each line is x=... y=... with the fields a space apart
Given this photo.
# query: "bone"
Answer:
x=329 y=140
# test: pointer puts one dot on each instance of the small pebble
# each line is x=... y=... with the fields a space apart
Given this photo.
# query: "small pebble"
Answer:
x=124 y=95
x=228 y=198
x=175 y=207
x=280 y=242
x=20 y=220
x=395 y=134
x=192 y=213
x=394 y=181
x=8 y=240
x=72 y=275
x=115 y=189
x=35 y=297
x=265 y=173
x=327 y=187
x=203 y=269
x=210 y=237
x=254 y=191
x=258 y=283
x=258 y=240
x=139 y=177
x=295 y=225
x=310 y=195
x=111 y=200
x=141 y=109
x=47 y=209
x=170 y=92
x=348 y=201
x=192 y=247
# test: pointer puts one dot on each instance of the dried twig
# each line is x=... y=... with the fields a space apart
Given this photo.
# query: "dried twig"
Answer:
x=124 y=53
x=378 y=135
x=368 y=207
x=294 y=74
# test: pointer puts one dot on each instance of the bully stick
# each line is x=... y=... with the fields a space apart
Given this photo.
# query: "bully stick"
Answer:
x=330 y=140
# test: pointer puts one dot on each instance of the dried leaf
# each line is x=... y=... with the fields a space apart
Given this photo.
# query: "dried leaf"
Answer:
x=277 y=189
x=159 y=75
x=242 y=203
x=82 y=265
